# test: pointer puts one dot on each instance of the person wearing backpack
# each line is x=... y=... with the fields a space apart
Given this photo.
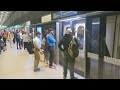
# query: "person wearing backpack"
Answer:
x=66 y=45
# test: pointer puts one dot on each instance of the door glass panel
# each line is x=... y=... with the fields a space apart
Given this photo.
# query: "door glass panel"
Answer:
x=79 y=33
x=78 y=28
x=93 y=37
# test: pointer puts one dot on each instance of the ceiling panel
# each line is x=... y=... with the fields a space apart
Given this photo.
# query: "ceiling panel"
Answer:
x=4 y=15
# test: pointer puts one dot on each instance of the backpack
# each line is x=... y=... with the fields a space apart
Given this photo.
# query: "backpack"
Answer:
x=73 y=49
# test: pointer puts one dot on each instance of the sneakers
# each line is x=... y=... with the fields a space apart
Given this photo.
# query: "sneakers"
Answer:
x=52 y=67
x=38 y=69
x=64 y=77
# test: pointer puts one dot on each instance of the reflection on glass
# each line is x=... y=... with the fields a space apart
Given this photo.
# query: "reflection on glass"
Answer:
x=27 y=29
x=65 y=26
x=80 y=36
x=39 y=29
x=95 y=35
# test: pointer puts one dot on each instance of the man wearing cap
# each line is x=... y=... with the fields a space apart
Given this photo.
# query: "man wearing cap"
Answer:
x=37 y=46
x=51 y=43
x=63 y=46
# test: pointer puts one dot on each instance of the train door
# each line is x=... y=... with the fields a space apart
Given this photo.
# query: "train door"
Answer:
x=95 y=36
x=78 y=30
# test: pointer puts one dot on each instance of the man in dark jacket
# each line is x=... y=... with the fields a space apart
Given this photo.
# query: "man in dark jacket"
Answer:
x=63 y=46
x=17 y=36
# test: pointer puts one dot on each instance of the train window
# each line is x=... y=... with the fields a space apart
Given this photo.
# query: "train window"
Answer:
x=79 y=32
x=95 y=35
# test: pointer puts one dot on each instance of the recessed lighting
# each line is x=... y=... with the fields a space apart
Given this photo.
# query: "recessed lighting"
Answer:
x=4 y=12
x=7 y=12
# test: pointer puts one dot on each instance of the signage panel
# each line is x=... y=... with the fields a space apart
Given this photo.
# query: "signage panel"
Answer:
x=46 y=18
x=62 y=14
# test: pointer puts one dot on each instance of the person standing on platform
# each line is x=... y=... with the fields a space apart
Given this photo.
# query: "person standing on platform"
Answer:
x=63 y=46
x=51 y=43
x=25 y=40
x=10 y=37
x=14 y=38
x=21 y=39
x=4 y=37
x=17 y=35
x=45 y=45
x=37 y=50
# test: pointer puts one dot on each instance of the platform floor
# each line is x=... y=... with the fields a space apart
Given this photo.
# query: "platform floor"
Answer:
x=18 y=64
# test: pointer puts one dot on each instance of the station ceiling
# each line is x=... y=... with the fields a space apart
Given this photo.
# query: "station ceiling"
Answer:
x=17 y=17
x=4 y=15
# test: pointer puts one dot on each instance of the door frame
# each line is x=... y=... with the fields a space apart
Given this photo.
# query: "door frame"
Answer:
x=102 y=33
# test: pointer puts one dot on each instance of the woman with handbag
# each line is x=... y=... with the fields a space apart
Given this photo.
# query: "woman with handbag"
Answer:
x=44 y=46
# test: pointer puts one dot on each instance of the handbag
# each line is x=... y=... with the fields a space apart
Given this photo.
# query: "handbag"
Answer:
x=42 y=57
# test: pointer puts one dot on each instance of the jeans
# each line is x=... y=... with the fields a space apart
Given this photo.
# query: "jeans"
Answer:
x=21 y=42
x=4 y=40
x=51 y=59
x=18 y=42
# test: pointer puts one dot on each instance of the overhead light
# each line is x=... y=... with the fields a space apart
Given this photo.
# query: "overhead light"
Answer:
x=7 y=12
x=4 y=12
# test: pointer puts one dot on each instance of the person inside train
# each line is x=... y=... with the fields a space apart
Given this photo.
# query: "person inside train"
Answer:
x=51 y=43
x=80 y=36
x=63 y=45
